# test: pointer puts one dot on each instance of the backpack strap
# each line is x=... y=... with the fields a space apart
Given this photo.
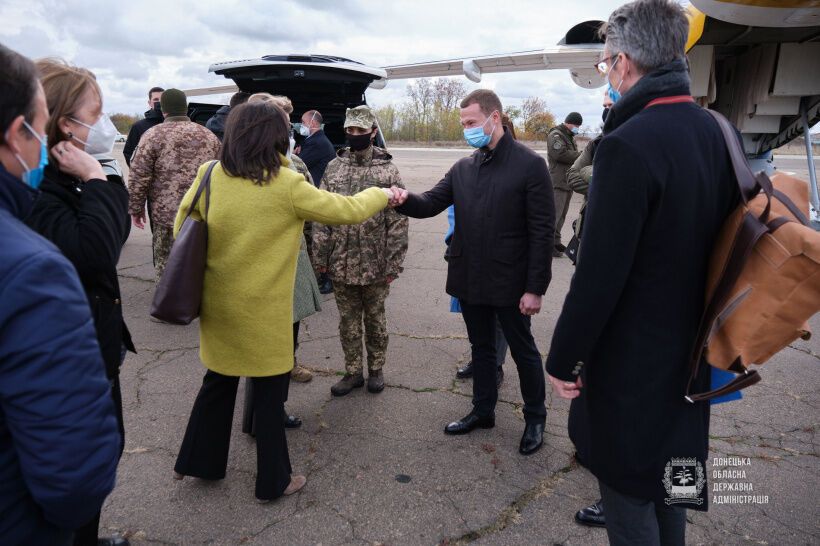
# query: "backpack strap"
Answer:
x=752 y=228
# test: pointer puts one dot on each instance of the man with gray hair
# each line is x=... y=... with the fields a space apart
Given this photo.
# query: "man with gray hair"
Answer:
x=663 y=188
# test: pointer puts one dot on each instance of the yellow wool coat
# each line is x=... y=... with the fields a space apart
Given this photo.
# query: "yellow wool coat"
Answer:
x=254 y=232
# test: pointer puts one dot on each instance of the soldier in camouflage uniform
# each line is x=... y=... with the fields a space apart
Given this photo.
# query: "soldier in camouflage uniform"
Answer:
x=363 y=259
x=562 y=153
x=164 y=167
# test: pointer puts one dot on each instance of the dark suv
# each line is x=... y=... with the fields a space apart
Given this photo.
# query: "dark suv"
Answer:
x=328 y=84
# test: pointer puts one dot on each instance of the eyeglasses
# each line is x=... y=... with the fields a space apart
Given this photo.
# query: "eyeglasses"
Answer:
x=603 y=66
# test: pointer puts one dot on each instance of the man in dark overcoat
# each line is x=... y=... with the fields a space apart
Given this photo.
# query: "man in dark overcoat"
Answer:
x=663 y=188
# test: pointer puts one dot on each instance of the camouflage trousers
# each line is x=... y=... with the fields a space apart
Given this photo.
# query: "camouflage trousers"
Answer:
x=359 y=304
x=161 y=241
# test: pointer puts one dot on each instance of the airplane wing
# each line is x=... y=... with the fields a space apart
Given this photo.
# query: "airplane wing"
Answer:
x=579 y=59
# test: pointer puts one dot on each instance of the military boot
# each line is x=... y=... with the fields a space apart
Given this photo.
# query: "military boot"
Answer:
x=347 y=384
x=375 y=381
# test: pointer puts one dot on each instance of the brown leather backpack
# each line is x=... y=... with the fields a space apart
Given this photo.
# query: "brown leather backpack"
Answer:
x=764 y=275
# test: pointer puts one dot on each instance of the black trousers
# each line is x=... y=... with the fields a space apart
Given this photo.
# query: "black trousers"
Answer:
x=248 y=415
x=631 y=521
x=204 y=450
x=481 y=329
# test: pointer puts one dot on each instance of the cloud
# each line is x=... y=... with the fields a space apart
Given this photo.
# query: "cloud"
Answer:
x=132 y=46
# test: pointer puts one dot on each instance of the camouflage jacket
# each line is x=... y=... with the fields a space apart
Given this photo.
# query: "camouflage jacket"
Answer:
x=300 y=167
x=373 y=250
x=562 y=153
x=165 y=164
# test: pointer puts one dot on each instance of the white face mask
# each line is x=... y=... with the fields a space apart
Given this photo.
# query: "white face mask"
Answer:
x=101 y=136
x=304 y=130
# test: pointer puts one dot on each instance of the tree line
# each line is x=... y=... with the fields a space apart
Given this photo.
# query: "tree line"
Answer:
x=431 y=114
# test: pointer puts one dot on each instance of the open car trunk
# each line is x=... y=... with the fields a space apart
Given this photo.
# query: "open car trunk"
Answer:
x=330 y=85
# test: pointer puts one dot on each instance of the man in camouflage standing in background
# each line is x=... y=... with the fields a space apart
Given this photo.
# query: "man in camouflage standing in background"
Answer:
x=362 y=260
x=562 y=153
x=163 y=168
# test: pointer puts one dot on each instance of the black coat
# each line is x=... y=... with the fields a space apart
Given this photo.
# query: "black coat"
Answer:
x=152 y=117
x=89 y=223
x=663 y=188
x=317 y=151
x=217 y=122
x=504 y=222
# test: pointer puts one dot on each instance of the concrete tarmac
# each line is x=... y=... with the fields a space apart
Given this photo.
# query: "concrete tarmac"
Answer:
x=380 y=469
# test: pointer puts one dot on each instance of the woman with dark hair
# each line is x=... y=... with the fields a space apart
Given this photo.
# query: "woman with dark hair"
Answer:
x=255 y=217
x=83 y=209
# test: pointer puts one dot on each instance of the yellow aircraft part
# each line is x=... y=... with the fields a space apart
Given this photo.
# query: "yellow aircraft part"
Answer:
x=696 y=21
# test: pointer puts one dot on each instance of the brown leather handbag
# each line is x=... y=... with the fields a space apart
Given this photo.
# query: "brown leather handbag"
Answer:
x=179 y=292
x=764 y=275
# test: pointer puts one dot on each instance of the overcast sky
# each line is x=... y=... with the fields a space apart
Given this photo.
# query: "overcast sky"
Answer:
x=132 y=46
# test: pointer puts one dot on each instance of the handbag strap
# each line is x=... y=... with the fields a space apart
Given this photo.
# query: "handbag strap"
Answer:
x=205 y=185
x=752 y=228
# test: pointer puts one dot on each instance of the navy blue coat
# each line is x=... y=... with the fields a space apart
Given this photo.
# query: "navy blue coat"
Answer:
x=317 y=151
x=59 y=443
x=663 y=188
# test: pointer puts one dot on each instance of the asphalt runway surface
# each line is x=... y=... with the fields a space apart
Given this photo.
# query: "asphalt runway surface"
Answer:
x=380 y=469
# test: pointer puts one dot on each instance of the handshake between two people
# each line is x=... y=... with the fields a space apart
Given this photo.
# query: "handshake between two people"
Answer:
x=395 y=196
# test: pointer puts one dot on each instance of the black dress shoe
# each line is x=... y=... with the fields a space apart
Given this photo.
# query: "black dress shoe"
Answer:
x=592 y=515
x=467 y=424
x=291 y=421
x=499 y=377
x=533 y=438
x=466 y=371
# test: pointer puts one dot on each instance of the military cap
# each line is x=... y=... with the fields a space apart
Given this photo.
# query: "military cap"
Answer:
x=360 y=116
x=174 y=102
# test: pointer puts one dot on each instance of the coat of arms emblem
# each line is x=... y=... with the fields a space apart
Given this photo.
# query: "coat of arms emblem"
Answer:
x=683 y=480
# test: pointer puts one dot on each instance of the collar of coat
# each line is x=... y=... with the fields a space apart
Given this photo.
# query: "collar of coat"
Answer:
x=177 y=118
x=563 y=129
x=485 y=153
x=669 y=80
x=15 y=195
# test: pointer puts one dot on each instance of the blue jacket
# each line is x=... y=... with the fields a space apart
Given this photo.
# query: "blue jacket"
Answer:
x=59 y=443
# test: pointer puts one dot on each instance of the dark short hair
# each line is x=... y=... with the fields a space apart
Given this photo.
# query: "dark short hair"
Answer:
x=18 y=87
x=155 y=90
x=487 y=101
x=240 y=97
x=255 y=135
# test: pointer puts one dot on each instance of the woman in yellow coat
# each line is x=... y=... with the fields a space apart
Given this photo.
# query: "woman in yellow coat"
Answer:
x=255 y=219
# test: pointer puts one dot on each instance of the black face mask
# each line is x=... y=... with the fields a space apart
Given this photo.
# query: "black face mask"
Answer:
x=158 y=107
x=358 y=143
x=605 y=114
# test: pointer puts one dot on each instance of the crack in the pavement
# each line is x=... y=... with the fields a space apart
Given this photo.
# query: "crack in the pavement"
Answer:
x=544 y=488
x=805 y=350
x=135 y=278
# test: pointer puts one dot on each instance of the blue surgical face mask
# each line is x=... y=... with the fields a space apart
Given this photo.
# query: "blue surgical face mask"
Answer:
x=34 y=177
x=574 y=130
x=614 y=94
x=476 y=137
